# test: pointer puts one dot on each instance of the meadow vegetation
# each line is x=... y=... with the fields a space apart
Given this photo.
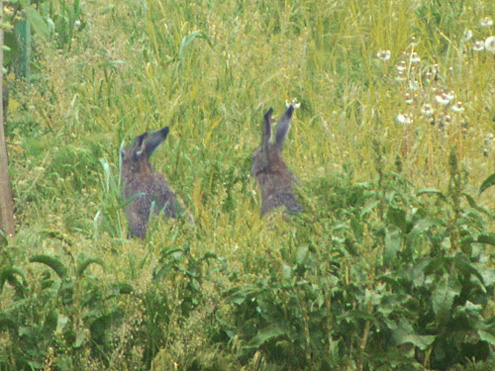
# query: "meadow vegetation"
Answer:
x=389 y=267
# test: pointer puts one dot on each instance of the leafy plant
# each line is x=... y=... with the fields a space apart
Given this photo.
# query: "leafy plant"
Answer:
x=63 y=18
x=424 y=300
x=51 y=316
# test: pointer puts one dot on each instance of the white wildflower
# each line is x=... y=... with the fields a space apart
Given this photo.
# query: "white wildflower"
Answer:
x=490 y=44
x=427 y=110
x=404 y=118
x=415 y=58
x=458 y=107
x=294 y=103
x=479 y=46
x=442 y=99
x=400 y=76
x=384 y=55
x=408 y=99
x=489 y=139
x=401 y=66
x=468 y=34
x=486 y=22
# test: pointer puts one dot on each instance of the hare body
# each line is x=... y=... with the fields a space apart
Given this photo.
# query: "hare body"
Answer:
x=144 y=188
x=270 y=170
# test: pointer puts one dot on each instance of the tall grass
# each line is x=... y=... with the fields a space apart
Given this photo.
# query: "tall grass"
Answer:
x=205 y=298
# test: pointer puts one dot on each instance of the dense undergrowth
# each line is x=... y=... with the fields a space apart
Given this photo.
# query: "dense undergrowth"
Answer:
x=389 y=267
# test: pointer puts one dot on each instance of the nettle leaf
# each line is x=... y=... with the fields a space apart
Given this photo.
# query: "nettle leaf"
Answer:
x=9 y=275
x=431 y=191
x=488 y=238
x=471 y=201
x=487 y=183
x=52 y=262
x=488 y=274
x=392 y=245
x=238 y=295
x=287 y=272
x=6 y=322
x=50 y=324
x=267 y=335
x=121 y=288
x=464 y=265
x=420 y=230
x=174 y=253
x=404 y=334
x=302 y=255
x=443 y=296
x=86 y=263
x=486 y=336
x=397 y=217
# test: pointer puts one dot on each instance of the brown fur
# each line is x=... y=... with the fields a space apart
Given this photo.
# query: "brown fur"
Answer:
x=142 y=185
x=270 y=170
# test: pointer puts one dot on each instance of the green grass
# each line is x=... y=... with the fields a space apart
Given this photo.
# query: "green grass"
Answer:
x=357 y=282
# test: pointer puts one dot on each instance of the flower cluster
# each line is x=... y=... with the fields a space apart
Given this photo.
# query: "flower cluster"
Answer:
x=427 y=97
x=488 y=43
x=294 y=103
x=427 y=90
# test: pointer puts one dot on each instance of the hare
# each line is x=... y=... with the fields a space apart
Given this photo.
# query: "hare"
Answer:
x=144 y=188
x=270 y=169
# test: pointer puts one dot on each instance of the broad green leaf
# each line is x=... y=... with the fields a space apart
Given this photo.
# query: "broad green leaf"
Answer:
x=464 y=265
x=397 y=217
x=238 y=295
x=420 y=341
x=37 y=22
x=62 y=322
x=471 y=307
x=488 y=238
x=392 y=245
x=418 y=272
x=266 y=335
x=6 y=322
x=488 y=274
x=99 y=326
x=421 y=227
x=302 y=255
x=53 y=263
x=122 y=288
x=443 y=296
x=404 y=333
x=11 y=41
x=50 y=324
x=287 y=271
x=486 y=336
x=487 y=183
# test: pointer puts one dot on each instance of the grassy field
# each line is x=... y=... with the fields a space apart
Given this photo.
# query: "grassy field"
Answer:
x=389 y=267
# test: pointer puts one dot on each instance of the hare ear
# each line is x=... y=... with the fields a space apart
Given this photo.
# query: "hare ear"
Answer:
x=283 y=127
x=153 y=140
x=139 y=143
x=267 y=128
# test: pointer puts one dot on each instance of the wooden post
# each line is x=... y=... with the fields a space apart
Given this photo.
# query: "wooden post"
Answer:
x=7 y=225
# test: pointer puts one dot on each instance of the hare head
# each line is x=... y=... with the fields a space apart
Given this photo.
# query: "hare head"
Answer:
x=269 y=167
x=135 y=158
